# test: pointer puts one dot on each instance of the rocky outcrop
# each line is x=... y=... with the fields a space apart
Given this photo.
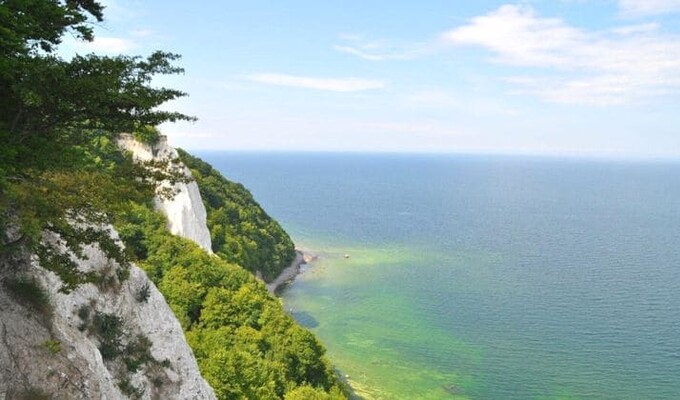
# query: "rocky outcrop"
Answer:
x=116 y=339
x=185 y=210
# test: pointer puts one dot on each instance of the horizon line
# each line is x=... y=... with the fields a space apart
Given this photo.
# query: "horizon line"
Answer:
x=554 y=155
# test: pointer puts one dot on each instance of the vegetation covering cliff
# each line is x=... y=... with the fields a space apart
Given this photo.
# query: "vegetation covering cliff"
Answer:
x=240 y=230
x=63 y=180
x=245 y=344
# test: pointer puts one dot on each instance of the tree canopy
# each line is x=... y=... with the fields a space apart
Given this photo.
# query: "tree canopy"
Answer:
x=60 y=168
x=247 y=347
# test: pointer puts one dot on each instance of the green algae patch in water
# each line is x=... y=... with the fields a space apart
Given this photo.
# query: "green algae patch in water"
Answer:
x=374 y=332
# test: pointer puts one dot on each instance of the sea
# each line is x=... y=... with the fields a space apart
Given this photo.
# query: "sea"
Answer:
x=482 y=276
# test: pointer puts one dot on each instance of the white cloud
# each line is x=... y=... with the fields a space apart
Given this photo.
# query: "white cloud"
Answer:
x=575 y=65
x=362 y=54
x=640 y=28
x=519 y=37
x=648 y=7
x=380 y=50
x=328 y=84
x=106 y=45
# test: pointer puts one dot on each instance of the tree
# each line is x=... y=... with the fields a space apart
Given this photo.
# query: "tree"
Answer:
x=60 y=168
x=311 y=393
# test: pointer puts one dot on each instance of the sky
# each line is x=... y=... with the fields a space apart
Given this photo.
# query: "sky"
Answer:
x=577 y=77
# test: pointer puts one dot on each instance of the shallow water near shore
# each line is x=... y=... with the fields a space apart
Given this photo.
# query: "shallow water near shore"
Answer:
x=482 y=277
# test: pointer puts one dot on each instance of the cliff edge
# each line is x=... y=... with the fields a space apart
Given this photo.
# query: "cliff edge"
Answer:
x=185 y=210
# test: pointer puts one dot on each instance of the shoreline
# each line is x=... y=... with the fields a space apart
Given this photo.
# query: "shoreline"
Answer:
x=287 y=276
x=289 y=273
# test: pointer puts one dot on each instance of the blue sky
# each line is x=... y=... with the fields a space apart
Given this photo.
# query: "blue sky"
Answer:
x=579 y=77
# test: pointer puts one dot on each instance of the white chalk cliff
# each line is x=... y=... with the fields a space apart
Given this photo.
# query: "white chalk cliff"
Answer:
x=55 y=353
x=185 y=210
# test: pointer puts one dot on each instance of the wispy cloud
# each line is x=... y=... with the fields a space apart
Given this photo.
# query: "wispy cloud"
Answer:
x=380 y=50
x=640 y=28
x=362 y=54
x=577 y=66
x=327 y=84
x=648 y=7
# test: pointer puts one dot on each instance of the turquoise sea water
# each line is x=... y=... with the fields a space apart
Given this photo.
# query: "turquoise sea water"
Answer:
x=483 y=277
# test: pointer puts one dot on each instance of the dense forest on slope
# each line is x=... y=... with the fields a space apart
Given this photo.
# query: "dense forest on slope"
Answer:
x=240 y=230
x=246 y=345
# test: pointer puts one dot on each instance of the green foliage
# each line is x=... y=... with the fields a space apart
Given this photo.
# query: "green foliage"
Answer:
x=241 y=231
x=128 y=389
x=130 y=353
x=108 y=329
x=246 y=345
x=84 y=315
x=84 y=312
x=54 y=346
x=60 y=168
x=148 y=134
x=32 y=24
x=137 y=353
x=28 y=292
x=310 y=393
x=142 y=294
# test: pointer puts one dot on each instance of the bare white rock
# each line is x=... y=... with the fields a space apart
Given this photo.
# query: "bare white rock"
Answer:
x=185 y=210
x=77 y=370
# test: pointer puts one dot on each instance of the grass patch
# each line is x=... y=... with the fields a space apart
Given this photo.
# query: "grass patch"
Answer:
x=54 y=346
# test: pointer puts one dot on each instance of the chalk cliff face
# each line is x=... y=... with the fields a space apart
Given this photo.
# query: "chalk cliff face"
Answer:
x=57 y=351
x=185 y=210
x=116 y=339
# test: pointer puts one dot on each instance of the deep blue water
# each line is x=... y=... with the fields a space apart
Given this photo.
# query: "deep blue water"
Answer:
x=486 y=277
